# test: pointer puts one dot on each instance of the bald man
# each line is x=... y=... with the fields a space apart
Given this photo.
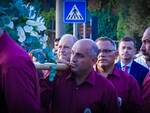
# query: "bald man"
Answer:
x=144 y=59
x=145 y=48
x=82 y=90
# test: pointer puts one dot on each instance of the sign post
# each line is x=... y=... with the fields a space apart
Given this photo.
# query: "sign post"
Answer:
x=75 y=12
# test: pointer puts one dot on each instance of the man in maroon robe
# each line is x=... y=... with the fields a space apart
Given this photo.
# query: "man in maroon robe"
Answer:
x=19 y=89
x=145 y=48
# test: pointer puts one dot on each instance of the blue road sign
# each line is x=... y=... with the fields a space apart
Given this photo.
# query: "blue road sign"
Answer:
x=75 y=11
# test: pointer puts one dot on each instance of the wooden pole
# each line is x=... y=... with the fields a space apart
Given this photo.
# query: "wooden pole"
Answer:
x=45 y=66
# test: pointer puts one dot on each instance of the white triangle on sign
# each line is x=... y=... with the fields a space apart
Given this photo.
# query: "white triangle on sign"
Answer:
x=74 y=14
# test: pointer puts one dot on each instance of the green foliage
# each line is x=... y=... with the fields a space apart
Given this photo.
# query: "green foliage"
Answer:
x=12 y=33
x=133 y=18
x=32 y=43
x=107 y=22
x=68 y=28
x=122 y=27
x=26 y=27
x=4 y=2
x=49 y=16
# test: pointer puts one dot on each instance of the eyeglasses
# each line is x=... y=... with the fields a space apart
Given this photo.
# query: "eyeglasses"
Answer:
x=107 y=51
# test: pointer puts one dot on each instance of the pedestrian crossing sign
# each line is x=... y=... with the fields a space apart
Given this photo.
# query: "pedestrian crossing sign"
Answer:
x=75 y=12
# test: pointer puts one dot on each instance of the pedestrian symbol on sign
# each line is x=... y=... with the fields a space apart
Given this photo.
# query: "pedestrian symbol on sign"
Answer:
x=74 y=14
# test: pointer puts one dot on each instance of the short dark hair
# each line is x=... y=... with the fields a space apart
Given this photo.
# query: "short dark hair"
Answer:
x=127 y=39
x=107 y=39
x=57 y=39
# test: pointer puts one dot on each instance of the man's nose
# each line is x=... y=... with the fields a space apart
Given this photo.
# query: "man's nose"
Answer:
x=73 y=58
x=142 y=47
x=61 y=49
x=101 y=54
x=125 y=49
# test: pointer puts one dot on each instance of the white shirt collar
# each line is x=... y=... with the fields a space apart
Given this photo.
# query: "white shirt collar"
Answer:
x=129 y=64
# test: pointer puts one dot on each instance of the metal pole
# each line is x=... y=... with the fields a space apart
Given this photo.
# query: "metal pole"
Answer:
x=59 y=21
x=90 y=28
x=84 y=30
x=75 y=29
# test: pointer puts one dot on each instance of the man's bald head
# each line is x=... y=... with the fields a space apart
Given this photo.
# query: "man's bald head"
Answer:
x=147 y=32
x=84 y=56
x=89 y=45
x=145 y=48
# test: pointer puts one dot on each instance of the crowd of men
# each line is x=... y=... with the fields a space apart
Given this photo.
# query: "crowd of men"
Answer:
x=100 y=78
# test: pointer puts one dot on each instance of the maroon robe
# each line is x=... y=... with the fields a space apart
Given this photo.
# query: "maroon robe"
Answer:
x=19 y=88
x=95 y=95
x=146 y=94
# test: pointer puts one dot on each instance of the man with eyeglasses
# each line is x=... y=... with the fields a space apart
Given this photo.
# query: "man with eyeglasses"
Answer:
x=129 y=97
x=127 y=51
